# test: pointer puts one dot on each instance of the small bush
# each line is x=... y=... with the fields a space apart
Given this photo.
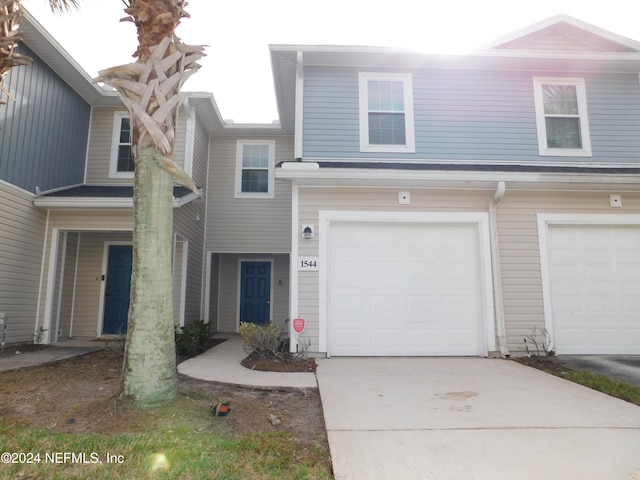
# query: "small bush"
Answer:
x=192 y=338
x=264 y=341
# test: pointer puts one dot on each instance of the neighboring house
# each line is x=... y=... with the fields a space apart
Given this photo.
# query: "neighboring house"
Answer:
x=67 y=188
x=406 y=204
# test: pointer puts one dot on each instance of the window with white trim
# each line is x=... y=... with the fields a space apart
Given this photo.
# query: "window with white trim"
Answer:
x=561 y=116
x=255 y=168
x=122 y=164
x=386 y=112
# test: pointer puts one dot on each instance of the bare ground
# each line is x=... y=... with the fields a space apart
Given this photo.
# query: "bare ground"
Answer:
x=79 y=395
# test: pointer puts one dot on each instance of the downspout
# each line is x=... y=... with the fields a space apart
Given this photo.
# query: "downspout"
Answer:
x=299 y=98
x=295 y=228
x=495 y=267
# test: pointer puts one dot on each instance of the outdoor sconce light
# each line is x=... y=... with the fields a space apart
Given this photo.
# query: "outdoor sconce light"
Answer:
x=307 y=232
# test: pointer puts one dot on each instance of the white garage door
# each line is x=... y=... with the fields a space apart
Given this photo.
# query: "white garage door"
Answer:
x=595 y=289
x=404 y=289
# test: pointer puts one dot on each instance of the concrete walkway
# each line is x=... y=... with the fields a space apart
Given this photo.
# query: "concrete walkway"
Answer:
x=222 y=364
x=49 y=354
x=472 y=419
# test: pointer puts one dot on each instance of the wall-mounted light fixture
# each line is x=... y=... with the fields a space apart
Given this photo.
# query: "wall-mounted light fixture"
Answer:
x=307 y=232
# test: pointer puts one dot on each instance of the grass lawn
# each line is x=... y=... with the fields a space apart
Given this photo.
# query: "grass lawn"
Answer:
x=602 y=383
x=614 y=388
x=180 y=441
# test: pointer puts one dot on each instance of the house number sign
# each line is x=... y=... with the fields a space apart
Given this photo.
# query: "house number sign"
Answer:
x=308 y=263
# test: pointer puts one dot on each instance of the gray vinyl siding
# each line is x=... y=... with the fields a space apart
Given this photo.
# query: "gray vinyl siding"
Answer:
x=185 y=223
x=229 y=282
x=484 y=116
x=200 y=155
x=100 y=148
x=43 y=140
x=21 y=241
x=257 y=225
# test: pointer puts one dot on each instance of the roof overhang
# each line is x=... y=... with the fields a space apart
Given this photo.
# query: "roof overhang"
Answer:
x=460 y=176
x=87 y=197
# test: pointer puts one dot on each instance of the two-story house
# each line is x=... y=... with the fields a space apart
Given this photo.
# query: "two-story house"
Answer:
x=406 y=204
x=450 y=205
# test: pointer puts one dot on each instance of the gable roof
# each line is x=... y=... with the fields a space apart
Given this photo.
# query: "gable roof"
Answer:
x=567 y=32
x=557 y=44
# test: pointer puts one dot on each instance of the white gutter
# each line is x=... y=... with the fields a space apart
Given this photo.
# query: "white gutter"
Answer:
x=299 y=99
x=495 y=267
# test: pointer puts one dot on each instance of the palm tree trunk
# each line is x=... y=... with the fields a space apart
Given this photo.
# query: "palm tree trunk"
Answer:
x=150 y=89
x=150 y=368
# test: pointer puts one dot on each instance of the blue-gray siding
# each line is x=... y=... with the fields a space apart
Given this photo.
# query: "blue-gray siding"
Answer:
x=45 y=128
x=472 y=115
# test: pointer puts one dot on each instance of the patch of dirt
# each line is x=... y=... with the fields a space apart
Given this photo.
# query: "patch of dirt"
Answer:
x=79 y=395
x=290 y=363
x=548 y=364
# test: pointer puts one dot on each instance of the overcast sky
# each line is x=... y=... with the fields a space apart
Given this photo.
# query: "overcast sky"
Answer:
x=237 y=67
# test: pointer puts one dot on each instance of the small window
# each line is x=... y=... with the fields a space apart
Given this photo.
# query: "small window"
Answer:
x=386 y=112
x=255 y=162
x=122 y=163
x=561 y=117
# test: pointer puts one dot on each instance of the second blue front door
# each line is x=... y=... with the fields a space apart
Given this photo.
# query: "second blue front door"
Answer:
x=255 y=292
x=117 y=289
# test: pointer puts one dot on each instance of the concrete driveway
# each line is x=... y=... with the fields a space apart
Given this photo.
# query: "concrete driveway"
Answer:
x=471 y=418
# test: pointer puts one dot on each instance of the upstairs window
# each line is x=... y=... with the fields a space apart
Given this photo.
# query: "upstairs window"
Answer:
x=386 y=112
x=122 y=164
x=255 y=164
x=561 y=117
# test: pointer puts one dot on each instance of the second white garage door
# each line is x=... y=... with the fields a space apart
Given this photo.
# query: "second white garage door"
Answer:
x=404 y=289
x=594 y=279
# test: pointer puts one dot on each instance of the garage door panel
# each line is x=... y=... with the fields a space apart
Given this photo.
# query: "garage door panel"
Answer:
x=415 y=290
x=630 y=304
x=629 y=271
x=594 y=288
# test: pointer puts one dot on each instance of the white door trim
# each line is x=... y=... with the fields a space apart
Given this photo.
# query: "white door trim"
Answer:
x=480 y=219
x=547 y=219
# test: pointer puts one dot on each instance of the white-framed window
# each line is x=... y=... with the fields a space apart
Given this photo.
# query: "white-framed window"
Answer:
x=122 y=164
x=561 y=116
x=255 y=168
x=386 y=112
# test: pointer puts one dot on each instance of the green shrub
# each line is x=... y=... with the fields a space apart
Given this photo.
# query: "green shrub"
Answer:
x=192 y=338
x=264 y=341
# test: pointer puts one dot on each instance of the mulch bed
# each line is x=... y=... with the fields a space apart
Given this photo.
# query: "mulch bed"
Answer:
x=290 y=363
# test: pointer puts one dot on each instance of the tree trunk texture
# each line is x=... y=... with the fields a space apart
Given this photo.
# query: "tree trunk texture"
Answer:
x=149 y=376
x=150 y=89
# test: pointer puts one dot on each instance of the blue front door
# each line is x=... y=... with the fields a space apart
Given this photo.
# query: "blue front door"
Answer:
x=255 y=292
x=117 y=289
